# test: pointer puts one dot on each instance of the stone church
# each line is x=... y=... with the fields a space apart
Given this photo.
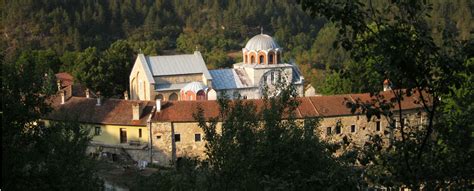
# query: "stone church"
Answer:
x=186 y=77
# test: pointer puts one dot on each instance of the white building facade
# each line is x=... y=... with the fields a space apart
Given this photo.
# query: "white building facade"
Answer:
x=186 y=77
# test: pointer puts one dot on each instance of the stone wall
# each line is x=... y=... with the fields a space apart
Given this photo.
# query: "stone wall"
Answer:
x=167 y=148
x=176 y=79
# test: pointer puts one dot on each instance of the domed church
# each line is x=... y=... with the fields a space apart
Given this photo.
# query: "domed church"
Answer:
x=186 y=77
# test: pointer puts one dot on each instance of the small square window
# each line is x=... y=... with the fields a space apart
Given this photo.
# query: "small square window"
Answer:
x=140 y=133
x=338 y=130
x=197 y=137
x=177 y=137
x=158 y=137
x=97 y=131
x=328 y=130
x=377 y=125
x=353 y=128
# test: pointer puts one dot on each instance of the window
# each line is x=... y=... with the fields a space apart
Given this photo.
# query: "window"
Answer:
x=41 y=124
x=201 y=95
x=158 y=137
x=197 y=137
x=173 y=97
x=159 y=96
x=328 y=130
x=244 y=97
x=98 y=131
x=177 y=137
x=261 y=59
x=353 y=128
x=377 y=125
x=252 y=59
x=338 y=130
x=270 y=59
x=139 y=133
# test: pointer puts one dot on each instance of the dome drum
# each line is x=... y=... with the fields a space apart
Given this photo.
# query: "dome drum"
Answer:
x=261 y=49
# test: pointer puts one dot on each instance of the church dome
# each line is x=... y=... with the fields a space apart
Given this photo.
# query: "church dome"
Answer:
x=261 y=42
x=194 y=87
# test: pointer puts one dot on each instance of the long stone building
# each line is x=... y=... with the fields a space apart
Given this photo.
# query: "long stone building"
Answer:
x=163 y=131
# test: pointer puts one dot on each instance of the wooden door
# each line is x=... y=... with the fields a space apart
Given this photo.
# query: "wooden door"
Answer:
x=123 y=135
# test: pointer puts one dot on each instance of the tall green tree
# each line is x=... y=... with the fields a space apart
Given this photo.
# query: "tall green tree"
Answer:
x=34 y=156
x=106 y=72
x=399 y=39
x=264 y=147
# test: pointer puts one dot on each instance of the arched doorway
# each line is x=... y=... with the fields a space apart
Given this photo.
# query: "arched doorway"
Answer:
x=201 y=95
x=173 y=97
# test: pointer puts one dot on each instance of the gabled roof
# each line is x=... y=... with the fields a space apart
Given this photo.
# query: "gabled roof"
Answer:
x=110 y=112
x=178 y=64
x=146 y=66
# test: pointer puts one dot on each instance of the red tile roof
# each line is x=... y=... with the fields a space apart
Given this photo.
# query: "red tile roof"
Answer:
x=119 y=112
x=111 y=111
x=65 y=78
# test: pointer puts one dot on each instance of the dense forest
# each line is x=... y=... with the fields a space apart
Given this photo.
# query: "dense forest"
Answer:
x=64 y=29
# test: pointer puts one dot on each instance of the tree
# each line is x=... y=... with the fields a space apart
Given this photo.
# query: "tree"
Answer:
x=106 y=71
x=267 y=148
x=33 y=156
x=407 y=55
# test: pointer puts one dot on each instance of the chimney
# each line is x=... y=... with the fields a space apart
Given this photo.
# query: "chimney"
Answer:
x=58 y=82
x=63 y=97
x=387 y=85
x=158 y=105
x=98 y=99
x=136 y=111
x=88 y=93
x=125 y=95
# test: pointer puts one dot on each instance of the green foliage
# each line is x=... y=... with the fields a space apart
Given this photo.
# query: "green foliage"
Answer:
x=250 y=147
x=33 y=156
x=335 y=84
x=105 y=71
x=326 y=51
x=396 y=43
x=267 y=148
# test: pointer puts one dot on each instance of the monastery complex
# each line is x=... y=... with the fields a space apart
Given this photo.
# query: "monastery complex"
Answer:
x=155 y=121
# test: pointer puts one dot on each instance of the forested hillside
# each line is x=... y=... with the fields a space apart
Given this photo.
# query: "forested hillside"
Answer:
x=64 y=29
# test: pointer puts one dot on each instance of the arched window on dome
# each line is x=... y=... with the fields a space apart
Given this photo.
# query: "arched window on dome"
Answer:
x=271 y=58
x=173 y=97
x=201 y=95
x=252 y=59
x=261 y=58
